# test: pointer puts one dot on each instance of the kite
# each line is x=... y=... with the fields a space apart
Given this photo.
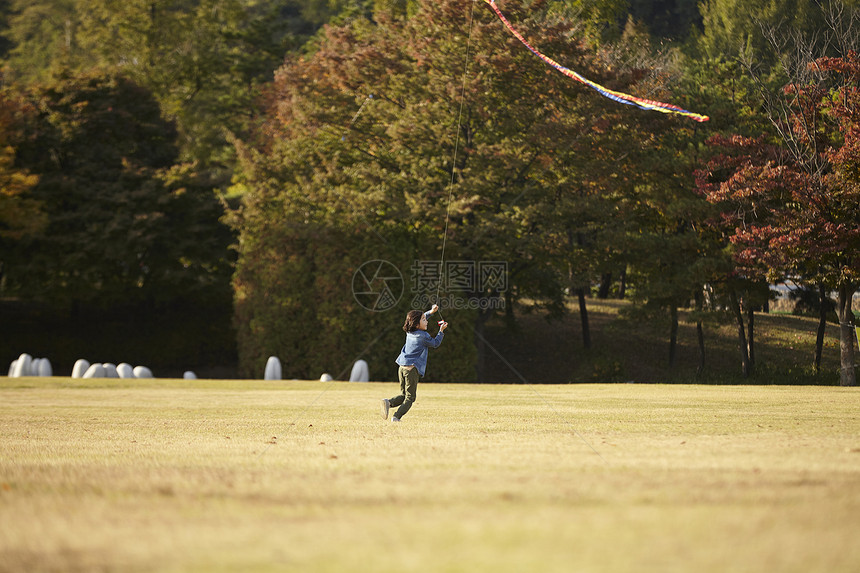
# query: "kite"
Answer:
x=613 y=95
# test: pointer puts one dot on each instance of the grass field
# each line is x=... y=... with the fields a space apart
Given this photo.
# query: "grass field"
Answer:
x=200 y=476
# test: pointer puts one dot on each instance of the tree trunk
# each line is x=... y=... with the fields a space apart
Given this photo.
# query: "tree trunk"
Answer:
x=510 y=319
x=480 y=349
x=673 y=336
x=822 y=326
x=700 y=333
x=583 y=317
x=605 y=286
x=622 y=284
x=742 y=339
x=580 y=295
x=846 y=335
x=700 y=338
x=751 y=337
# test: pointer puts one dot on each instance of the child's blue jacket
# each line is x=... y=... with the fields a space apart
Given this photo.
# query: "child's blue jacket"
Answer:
x=414 y=352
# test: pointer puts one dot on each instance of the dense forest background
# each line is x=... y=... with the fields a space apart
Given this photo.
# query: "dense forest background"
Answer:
x=196 y=183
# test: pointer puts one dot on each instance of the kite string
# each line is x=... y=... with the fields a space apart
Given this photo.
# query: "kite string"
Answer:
x=448 y=211
x=355 y=117
x=454 y=160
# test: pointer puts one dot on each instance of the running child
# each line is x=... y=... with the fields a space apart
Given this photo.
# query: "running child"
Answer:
x=413 y=360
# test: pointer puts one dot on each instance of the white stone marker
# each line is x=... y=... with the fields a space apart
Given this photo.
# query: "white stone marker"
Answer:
x=326 y=377
x=80 y=368
x=45 y=368
x=95 y=371
x=189 y=375
x=142 y=372
x=124 y=370
x=23 y=366
x=273 y=368
x=360 y=372
x=110 y=370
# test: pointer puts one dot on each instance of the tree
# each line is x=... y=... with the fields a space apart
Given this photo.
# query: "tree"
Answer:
x=5 y=12
x=586 y=207
x=667 y=18
x=42 y=34
x=324 y=194
x=125 y=222
x=205 y=60
x=21 y=215
x=366 y=125
x=732 y=28
x=194 y=55
x=811 y=128
x=772 y=54
x=676 y=245
x=797 y=212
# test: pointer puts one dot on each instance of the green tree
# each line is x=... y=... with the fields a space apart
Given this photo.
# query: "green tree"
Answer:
x=42 y=35
x=362 y=145
x=341 y=199
x=667 y=18
x=677 y=249
x=5 y=13
x=600 y=20
x=732 y=28
x=606 y=211
x=205 y=60
x=125 y=223
x=21 y=215
x=194 y=55
x=389 y=157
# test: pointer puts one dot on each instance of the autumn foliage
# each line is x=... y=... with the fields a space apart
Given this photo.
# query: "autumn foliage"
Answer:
x=791 y=204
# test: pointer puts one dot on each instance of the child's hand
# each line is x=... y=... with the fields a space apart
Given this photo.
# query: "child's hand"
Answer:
x=434 y=309
x=442 y=326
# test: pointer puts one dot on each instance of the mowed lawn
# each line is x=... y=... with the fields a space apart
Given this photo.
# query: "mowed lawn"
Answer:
x=210 y=476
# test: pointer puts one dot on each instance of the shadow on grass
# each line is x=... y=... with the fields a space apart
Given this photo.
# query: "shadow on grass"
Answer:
x=628 y=350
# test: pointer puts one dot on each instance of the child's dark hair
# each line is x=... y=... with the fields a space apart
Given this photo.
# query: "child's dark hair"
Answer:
x=413 y=320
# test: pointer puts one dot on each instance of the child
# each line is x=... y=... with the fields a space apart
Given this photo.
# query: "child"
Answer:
x=413 y=360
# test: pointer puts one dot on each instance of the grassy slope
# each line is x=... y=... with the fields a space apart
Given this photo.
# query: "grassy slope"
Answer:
x=638 y=350
x=303 y=476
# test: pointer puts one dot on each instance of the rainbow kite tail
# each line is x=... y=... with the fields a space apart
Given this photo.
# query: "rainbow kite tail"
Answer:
x=619 y=97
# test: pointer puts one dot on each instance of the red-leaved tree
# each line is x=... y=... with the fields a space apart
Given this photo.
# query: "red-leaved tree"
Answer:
x=794 y=201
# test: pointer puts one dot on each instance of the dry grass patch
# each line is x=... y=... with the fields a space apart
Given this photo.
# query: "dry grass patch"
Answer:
x=304 y=476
